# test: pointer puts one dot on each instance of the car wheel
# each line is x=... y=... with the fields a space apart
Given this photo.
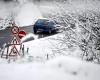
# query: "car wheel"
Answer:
x=35 y=30
x=50 y=31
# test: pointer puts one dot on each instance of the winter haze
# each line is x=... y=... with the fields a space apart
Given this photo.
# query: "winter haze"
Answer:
x=71 y=54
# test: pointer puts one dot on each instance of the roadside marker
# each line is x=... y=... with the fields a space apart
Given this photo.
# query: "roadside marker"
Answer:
x=14 y=42
x=12 y=49
x=21 y=34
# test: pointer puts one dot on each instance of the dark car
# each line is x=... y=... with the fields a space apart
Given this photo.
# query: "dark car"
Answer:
x=45 y=25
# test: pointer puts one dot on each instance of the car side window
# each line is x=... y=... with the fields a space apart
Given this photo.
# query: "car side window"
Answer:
x=46 y=23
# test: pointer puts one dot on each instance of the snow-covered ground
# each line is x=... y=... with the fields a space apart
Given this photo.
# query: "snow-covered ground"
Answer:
x=40 y=50
x=40 y=62
x=60 y=68
x=44 y=46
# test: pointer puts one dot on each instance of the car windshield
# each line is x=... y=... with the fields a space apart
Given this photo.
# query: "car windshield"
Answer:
x=45 y=22
x=41 y=21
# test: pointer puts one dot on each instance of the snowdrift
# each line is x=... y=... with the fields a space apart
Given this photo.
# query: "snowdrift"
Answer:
x=60 y=68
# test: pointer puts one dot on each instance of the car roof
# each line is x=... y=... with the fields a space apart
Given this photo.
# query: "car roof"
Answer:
x=43 y=20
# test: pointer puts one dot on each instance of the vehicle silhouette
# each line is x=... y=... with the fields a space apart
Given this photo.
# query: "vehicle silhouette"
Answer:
x=45 y=25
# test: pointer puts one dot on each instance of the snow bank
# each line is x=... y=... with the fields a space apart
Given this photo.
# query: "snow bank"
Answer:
x=28 y=37
x=76 y=67
x=42 y=47
x=61 y=68
x=38 y=47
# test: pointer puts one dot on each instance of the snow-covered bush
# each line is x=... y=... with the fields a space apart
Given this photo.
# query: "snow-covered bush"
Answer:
x=7 y=21
x=81 y=29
